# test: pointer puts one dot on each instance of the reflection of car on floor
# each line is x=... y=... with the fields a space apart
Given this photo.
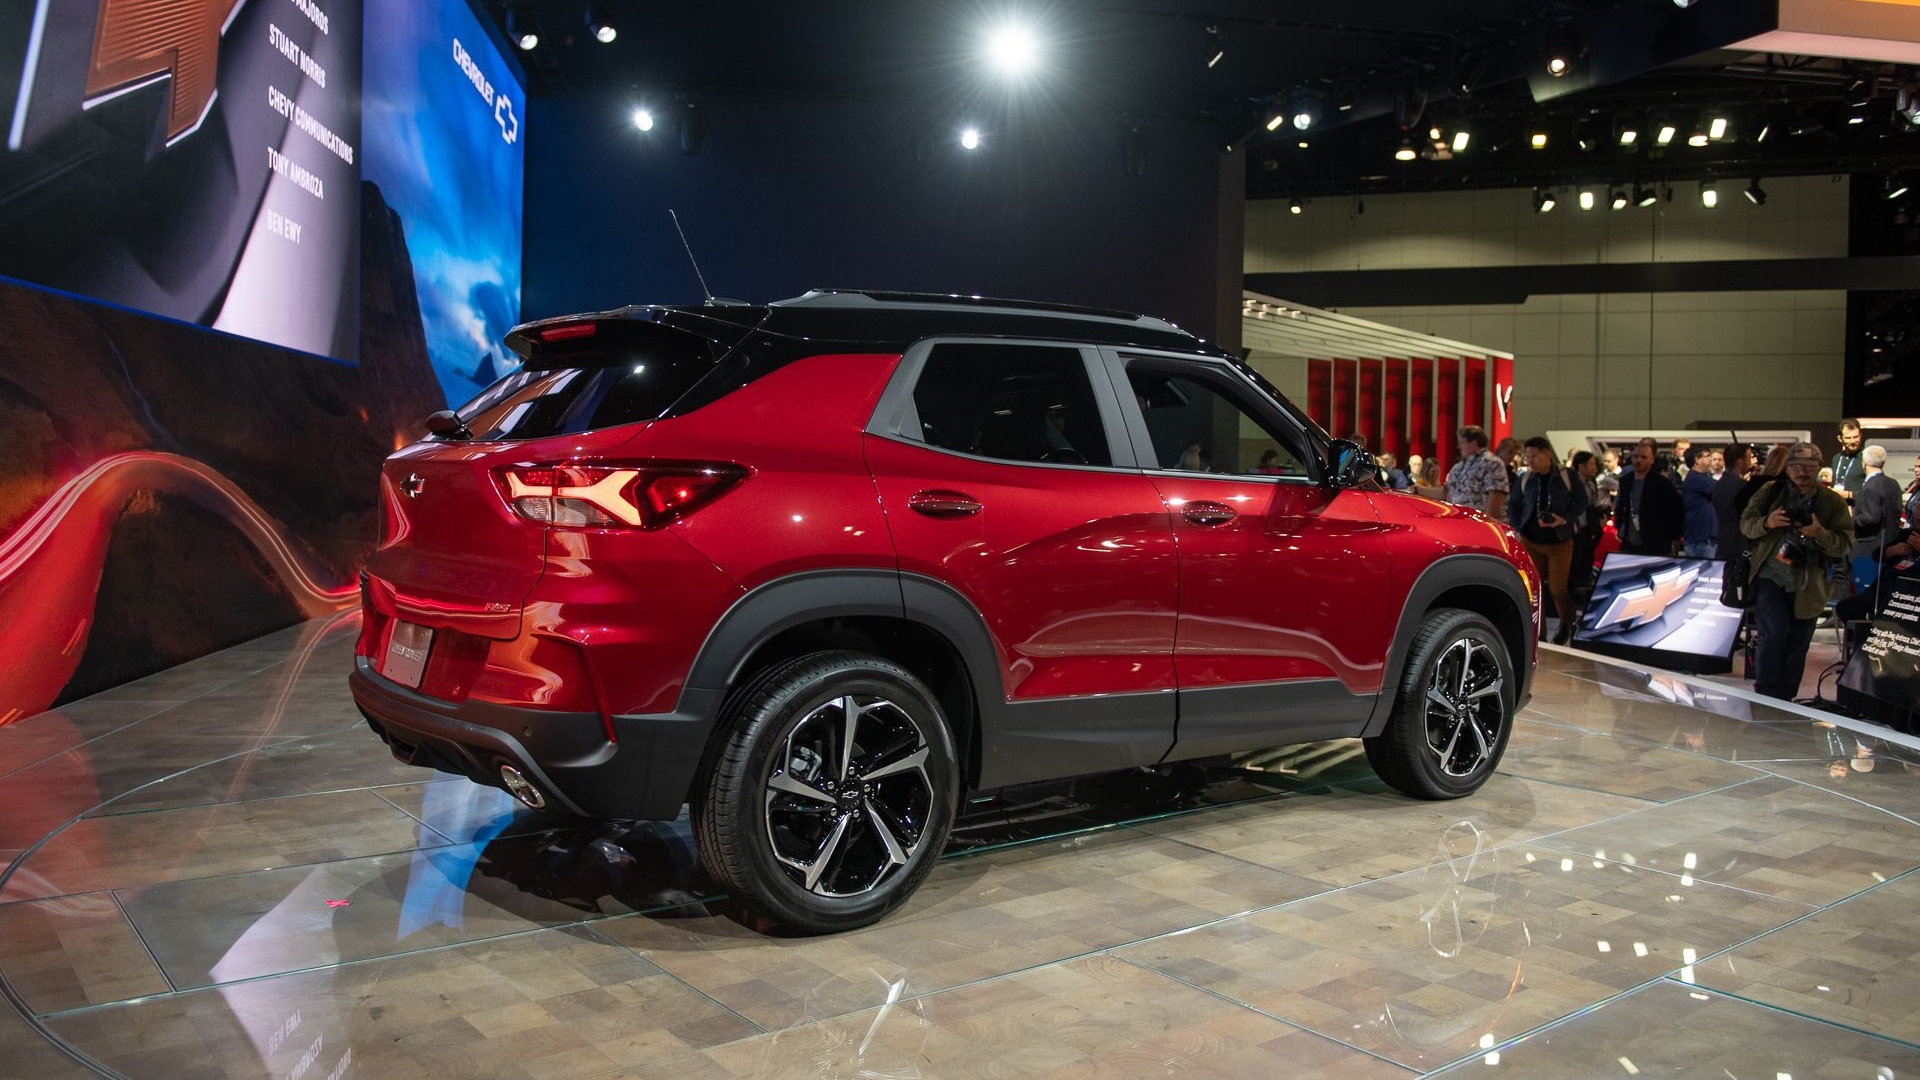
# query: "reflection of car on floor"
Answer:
x=817 y=568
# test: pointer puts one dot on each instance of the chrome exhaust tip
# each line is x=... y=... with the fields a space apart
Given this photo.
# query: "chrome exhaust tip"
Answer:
x=521 y=788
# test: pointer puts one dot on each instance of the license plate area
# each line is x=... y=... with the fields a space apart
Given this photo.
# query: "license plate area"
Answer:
x=407 y=649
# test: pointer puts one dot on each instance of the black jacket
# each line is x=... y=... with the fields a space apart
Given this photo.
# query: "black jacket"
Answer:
x=1662 y=517
x=1876 y=515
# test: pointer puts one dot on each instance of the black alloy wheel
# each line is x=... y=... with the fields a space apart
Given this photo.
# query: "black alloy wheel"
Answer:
x=830 y=794
x=1454 y=712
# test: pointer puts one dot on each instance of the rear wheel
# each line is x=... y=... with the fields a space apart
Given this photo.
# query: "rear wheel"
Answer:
x=831 y=793
x=1454 y=712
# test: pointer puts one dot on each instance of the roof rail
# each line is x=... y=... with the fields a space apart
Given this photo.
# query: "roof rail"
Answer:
x=876 y=298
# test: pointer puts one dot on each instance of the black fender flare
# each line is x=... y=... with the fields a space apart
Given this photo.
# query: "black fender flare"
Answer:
x=810 y=596
x=1450 y=572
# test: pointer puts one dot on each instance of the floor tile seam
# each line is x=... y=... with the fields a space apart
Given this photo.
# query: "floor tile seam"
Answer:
x=375 y=792
x=1816 y=911
x=1698 y=880
x=136 y=723
x=1648 y=741
x=1559 y=1021
x=91 y=815
x=11 y=996
x=1564 y=786
x=356 y=962
x=121 y=907
x=1296 y=1025
x=1850 y=798
x=7 y=872
x=1773 y=1007
x=594 y=929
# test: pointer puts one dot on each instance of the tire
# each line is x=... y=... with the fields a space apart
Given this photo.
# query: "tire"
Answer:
x=1433 y=748
x=777 y=825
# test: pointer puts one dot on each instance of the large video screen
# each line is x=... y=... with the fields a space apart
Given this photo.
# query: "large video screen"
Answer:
x=1665 y=612
x=444 y=123
x=195 y=160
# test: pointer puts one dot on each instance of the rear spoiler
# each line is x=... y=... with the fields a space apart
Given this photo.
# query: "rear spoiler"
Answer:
x=598 y=338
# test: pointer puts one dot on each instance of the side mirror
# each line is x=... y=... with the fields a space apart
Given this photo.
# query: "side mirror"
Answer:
x=1351 y=465
x=447 y=422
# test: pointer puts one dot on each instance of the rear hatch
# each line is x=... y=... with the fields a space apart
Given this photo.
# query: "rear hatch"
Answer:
x=455 y=554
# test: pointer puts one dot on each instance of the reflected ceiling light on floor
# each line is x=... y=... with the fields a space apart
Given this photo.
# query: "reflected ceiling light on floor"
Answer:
x=1586 y=198
x=643 y=119
x=1406 y=151
x=1460 y=140
x=1709 y=195
x=970 y=138
x=1644 y=196
x=1543 y=201
x=600 y=24
x=1619 y=198
x=1012 y=48
x=1213 y=51
x=1756 y=194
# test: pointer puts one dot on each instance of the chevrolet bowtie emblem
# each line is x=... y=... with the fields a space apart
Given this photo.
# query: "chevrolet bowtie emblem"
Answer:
x=1638 y=606
x=413 y=485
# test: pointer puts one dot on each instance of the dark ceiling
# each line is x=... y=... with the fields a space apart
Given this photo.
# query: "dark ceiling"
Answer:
x=1404 y=68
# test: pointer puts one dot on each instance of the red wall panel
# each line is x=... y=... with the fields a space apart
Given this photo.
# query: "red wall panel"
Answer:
x=1473 y=392
x=1320 y=391
x=1345 y=389
x=1420 y=437
x=1393 y=393
x=1446 y=400
x=1369 y=424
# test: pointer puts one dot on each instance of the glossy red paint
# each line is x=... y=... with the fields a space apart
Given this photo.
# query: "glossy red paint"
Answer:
x=1288 y=588
x=1422 y=531
x=1072 y=568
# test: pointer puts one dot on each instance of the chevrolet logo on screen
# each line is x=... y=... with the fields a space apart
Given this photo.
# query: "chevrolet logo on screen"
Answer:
x=139 y=42
x=1641 y=605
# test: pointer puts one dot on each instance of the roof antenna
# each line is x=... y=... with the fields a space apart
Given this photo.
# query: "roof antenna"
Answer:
x=708 y=293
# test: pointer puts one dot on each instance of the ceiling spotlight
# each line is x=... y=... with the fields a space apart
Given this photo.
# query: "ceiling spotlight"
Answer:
x=1585 y=134
x=1213 y=51
x=1629 y=133
x=1274 y=121
x=1684 y=3
x=643 y=119
x=1012 y=48
x=600 y=24
x=1406 y=151
x=1565 y=46
x=1756 y=194
x=1434 y=134
x=1665 y=134
x=1460 y=140
x=1717 y=128
x=1537 y=138
x=1344 y=101
x=1619 y=198
x=1644 y=196
x=970 y=138
x=1543 y=200
x=1697 y=139
x=1709 y=196
x=520 y=30
x=1860 y=91
x=1303 y=144
x=1295 y=206
x=1766 y=129
x=1306 y=110
x=1895 y=188
x=1586 y=198
x=1858 y=115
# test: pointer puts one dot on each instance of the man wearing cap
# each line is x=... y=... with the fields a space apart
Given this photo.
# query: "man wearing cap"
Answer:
x=1800 y=528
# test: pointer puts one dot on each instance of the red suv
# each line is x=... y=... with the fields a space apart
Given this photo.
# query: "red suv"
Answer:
x=817 y=568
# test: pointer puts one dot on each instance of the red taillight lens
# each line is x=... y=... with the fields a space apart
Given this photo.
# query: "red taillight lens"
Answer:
x=567 y=331
x=646 y=495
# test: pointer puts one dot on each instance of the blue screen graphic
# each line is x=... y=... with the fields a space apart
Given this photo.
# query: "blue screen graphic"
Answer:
x=442 y=124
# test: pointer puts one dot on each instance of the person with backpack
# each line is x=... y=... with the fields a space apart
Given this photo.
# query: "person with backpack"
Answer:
x=1544 y=513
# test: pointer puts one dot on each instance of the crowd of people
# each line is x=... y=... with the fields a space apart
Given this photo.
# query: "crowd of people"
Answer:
x=1811 y=530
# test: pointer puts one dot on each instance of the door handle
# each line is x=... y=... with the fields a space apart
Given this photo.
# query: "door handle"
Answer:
x=943 y=504
x=1207 y=512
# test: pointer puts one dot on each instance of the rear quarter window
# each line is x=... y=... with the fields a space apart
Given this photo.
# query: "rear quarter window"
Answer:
x=625 y=373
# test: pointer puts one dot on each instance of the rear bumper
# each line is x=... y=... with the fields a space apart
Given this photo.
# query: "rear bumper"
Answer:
x=646 y=773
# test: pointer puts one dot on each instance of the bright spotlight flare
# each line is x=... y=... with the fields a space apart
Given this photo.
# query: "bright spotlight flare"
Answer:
x=1013 y=49
x=970 y=139
x=643 y=119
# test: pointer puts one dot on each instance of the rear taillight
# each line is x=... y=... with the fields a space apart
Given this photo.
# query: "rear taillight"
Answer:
x=644 y=496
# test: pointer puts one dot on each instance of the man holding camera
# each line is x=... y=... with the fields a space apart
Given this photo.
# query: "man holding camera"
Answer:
x=1801 y=528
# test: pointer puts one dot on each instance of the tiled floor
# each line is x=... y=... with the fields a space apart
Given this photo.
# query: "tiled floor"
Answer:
x=218 y=871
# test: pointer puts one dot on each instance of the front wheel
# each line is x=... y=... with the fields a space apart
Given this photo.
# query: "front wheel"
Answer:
x=1454 y=712
x=831 y=793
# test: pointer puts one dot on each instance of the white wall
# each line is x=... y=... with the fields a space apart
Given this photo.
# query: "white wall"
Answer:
x=1612 y=360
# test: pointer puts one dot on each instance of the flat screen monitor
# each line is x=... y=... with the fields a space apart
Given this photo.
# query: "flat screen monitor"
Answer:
x=1660 y=611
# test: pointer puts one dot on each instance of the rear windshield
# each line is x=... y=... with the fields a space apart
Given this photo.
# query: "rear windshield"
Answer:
x=626 y=373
